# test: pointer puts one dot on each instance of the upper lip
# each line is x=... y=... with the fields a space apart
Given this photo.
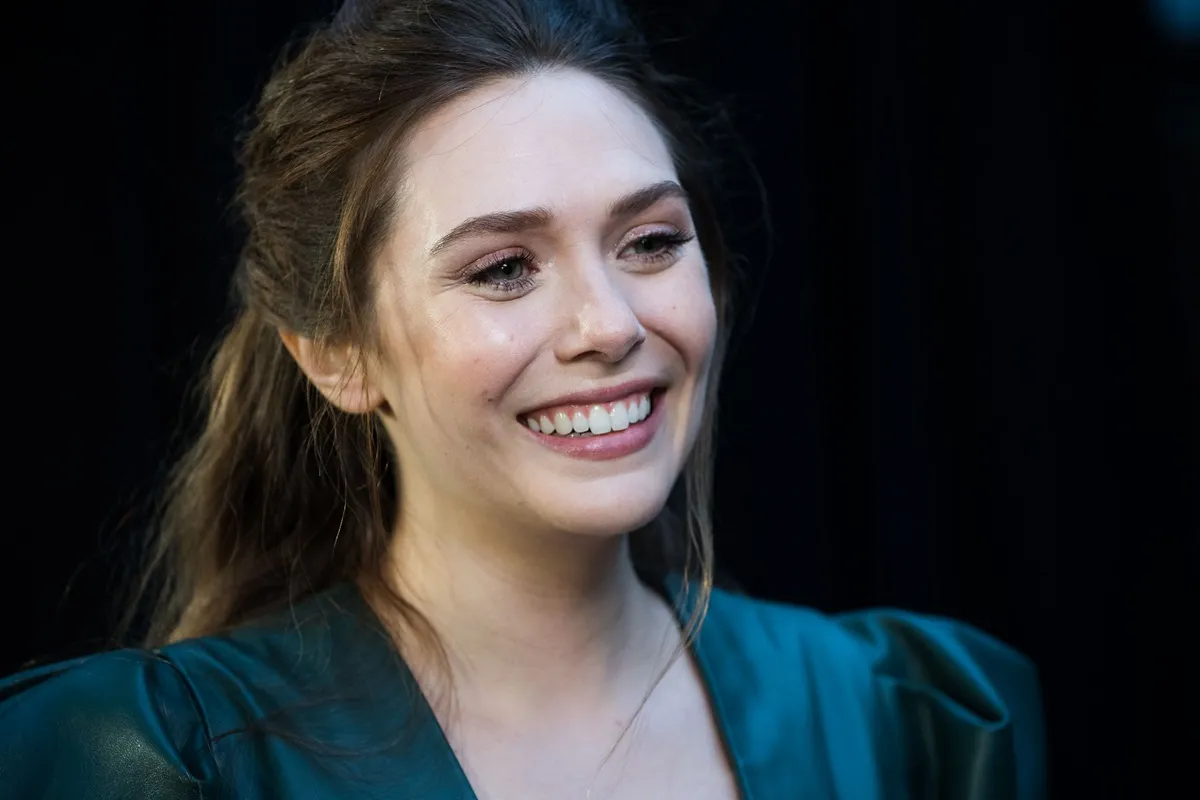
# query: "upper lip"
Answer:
x=601 y=394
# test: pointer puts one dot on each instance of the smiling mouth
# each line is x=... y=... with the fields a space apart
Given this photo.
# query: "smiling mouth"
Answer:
x=596 y=419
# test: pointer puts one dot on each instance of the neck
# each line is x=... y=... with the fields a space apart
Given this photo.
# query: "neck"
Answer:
x=532 y=621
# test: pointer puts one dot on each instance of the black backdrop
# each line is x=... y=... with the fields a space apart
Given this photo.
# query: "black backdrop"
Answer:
x=971 y=384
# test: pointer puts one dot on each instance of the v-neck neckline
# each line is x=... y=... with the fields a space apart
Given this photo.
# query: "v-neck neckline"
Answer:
x=677 y=596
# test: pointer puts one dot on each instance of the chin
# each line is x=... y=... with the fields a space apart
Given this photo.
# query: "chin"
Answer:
x=594 y=509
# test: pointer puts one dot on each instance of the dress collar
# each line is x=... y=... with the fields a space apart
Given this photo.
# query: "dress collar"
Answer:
x=746 y=709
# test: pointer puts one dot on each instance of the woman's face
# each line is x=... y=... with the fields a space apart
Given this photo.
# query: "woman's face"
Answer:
x=547 y=325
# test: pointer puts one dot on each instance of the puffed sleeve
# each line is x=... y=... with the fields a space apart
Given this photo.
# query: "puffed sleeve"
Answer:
x=113 y=725
x=966 y=706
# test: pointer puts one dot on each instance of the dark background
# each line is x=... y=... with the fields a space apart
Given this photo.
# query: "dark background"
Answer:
x=972 y=385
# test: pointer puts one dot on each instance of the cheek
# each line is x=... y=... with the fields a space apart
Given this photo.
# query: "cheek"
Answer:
x=464 y=360
x=680 y=308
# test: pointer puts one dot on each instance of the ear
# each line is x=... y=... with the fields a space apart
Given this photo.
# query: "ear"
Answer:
x=337 y=370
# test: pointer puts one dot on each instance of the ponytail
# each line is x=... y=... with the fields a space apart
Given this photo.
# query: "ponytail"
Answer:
x=280 y=496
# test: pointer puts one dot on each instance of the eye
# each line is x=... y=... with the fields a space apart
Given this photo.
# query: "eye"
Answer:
x=510 y=269
x=659 y=246
x=509 y=273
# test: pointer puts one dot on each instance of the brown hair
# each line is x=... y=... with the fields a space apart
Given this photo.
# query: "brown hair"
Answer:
x=282 y=495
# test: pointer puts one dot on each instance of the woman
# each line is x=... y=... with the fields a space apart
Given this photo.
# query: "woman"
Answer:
x=420 y=548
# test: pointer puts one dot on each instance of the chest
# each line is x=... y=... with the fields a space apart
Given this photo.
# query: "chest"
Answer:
x=690 y=765
x=672 y=749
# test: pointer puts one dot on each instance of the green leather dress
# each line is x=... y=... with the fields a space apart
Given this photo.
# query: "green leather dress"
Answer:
x=314 y=704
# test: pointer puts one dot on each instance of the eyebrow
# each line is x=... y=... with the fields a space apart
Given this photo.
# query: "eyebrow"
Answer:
x=540 y=217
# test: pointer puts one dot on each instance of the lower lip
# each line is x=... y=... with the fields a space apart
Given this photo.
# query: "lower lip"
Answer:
x=606 y=446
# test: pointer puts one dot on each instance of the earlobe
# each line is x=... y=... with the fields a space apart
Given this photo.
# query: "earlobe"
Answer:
x=337 y=371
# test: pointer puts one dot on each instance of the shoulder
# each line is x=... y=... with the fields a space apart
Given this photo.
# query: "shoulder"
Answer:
x=925 y=652
x=958 y=700
x=116 y=724
x=183 y=721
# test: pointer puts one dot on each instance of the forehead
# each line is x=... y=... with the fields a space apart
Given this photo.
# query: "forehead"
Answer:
x=563 y=140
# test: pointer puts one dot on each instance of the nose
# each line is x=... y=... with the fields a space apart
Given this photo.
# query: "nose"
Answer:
x=602 y=323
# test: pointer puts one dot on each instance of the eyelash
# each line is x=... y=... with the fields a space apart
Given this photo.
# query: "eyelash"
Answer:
x=671 y=242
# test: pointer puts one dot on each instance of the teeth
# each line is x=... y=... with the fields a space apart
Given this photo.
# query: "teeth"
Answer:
x=562 y=424
x=599 y=421
x=595 y=420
